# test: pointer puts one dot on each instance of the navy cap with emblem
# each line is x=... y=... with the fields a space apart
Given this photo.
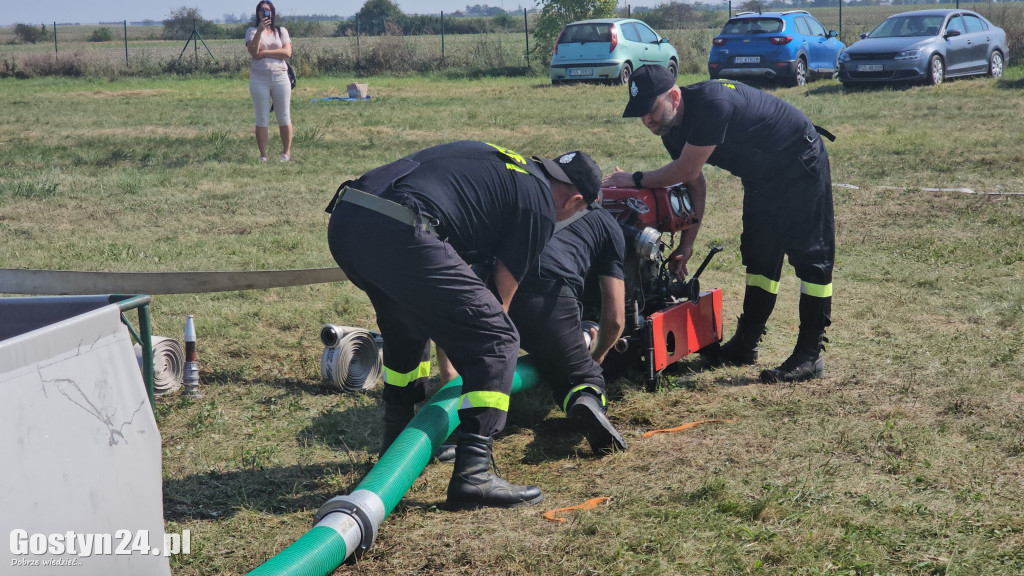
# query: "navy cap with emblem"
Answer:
x=577 y=169
x=645 y=85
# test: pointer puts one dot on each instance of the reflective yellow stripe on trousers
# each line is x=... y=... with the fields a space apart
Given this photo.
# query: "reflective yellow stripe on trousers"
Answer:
x=763 y=282
x=484 y=399
x=565 y=403
x=402 y=380
x=819 y=290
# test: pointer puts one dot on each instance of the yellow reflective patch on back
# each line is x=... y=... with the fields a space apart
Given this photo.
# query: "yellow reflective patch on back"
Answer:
x=515 y=168
x=509 y=154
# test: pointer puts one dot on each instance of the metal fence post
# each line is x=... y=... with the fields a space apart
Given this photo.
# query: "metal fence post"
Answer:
x=840 y=19
x=126 y=43
x=442 y=38
x=357 y=42
x=526 y=28
x=56 y=53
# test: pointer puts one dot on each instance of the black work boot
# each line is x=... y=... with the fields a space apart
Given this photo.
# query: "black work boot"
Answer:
x=473 y=485
x=742 y=348
x=587 y=413
x=396 y=417
x=805 y=363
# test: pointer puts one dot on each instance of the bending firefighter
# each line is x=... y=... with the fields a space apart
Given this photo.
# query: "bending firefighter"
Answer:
x=787 y=199
x=406 y=233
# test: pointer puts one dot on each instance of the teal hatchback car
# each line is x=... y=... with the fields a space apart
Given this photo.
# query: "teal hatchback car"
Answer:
x=608 y=50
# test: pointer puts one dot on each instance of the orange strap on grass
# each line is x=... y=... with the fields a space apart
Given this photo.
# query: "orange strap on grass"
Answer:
x=686 y=426
x=588 y=505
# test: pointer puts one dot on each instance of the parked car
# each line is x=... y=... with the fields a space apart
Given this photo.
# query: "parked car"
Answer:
x=608 y=49
x=925 y=46
x=789 y=46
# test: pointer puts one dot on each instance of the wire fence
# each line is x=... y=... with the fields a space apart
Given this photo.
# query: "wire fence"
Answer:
x=503 y=44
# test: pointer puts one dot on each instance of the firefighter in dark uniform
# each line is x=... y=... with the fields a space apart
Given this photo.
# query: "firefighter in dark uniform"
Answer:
x=787 y=199
x=406 y=233
x=546 y=311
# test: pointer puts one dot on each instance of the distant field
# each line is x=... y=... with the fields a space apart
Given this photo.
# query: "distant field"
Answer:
x=905 y=459
x=317 y=51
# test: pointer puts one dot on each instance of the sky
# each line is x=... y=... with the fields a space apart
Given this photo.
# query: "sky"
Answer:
x=70 y=11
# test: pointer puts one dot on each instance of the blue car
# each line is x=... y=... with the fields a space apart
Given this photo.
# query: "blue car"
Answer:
x=925 y=46
x=788 y=46
x=608 y=50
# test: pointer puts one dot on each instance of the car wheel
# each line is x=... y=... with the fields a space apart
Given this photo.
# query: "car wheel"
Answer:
x=995 y=64
x=936 y=70
x=800 y=74
x=673 y=68
x=625 y=73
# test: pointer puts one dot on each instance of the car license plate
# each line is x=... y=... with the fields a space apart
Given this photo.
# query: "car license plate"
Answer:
x=869 y=68
x=748 y=60
x=577 y=72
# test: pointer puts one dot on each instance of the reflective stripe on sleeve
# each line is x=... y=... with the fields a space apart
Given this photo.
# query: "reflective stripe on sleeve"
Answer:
x=402 y=380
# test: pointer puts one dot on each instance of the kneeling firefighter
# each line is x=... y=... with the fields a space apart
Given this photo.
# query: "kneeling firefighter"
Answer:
x=407 y=233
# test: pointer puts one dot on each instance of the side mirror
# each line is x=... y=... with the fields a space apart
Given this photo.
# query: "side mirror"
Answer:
x=863 y=35
x=663 y=41
x=952 y=33
x=832 y=34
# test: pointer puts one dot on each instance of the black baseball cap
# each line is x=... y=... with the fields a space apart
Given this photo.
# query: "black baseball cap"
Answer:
x=645 y=85
x=576 y=169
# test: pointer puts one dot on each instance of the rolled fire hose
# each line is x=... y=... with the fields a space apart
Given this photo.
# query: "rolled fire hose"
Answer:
x=351 y=359
x=348 y=525
x=168 y=364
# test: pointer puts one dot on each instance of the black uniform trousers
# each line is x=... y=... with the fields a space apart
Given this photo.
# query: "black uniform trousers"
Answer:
x=790 y=213
x=422 y=290
x=547 y=315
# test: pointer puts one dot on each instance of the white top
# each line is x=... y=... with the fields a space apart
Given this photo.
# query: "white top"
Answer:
x=269 y=41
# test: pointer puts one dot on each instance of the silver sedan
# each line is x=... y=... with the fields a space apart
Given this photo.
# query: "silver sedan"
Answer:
x=925 y=46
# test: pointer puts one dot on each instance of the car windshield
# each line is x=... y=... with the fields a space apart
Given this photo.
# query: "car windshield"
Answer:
x=908 y=26
x=582 y=33
x=752 y=26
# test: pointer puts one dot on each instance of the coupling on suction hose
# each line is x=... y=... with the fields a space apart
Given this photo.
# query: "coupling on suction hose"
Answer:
x=357 y=517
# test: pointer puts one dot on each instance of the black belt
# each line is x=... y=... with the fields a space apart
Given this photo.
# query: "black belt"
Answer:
x=392 y=210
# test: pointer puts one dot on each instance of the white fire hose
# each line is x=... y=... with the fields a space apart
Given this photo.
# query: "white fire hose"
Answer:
x=168 y=364
x=351 y=359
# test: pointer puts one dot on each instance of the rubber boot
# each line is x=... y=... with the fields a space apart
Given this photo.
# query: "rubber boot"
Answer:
x=805 y=363
x=396 y=417
x=588 y=415
x=473 y=485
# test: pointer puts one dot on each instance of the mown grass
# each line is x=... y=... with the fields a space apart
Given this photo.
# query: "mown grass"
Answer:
x=904 y=459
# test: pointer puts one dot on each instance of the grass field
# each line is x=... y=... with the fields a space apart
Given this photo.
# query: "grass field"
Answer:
x=904 y=459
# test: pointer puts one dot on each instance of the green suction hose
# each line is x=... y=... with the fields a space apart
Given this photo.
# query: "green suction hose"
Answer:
x=348 y=525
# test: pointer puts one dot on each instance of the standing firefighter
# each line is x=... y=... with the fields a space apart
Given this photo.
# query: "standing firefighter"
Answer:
x=407 y=233
x=787 y=199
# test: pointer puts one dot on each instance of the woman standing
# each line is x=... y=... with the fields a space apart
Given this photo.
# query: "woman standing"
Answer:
x=269 y=45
